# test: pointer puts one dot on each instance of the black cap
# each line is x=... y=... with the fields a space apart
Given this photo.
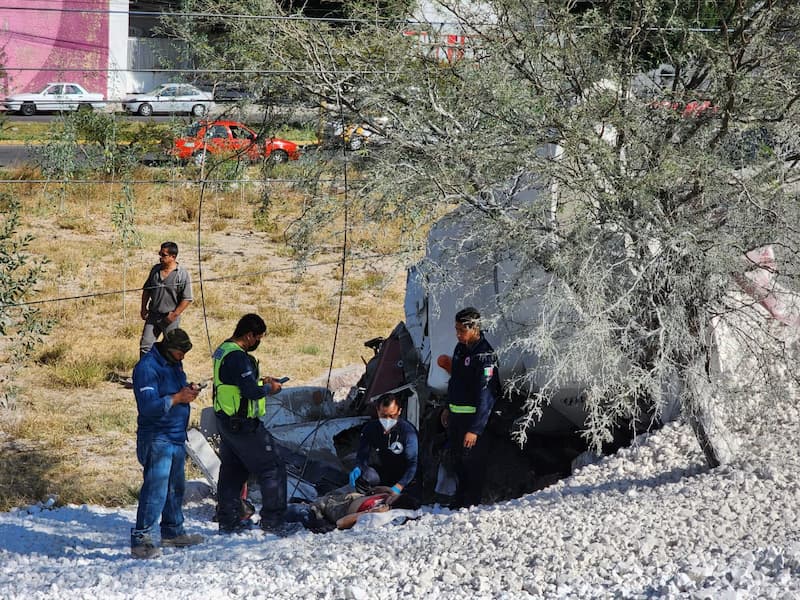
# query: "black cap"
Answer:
x=177 y=339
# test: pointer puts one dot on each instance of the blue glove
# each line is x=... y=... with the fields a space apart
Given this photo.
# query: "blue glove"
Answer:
x=354 y=474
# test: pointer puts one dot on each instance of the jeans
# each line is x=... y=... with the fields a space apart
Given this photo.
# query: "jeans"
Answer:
x=162 y=489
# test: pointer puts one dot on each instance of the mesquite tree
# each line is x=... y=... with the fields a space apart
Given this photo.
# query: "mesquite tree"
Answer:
x=641 y=154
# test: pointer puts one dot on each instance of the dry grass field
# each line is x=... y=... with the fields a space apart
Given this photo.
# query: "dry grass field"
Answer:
x=67 y=424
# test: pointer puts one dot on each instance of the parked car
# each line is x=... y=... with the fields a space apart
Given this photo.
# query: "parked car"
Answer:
x=55 y=96
x=170 y=98
x=231 y=138
x=231 y=92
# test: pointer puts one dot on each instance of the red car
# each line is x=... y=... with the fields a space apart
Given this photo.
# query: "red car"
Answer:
x=231 y=139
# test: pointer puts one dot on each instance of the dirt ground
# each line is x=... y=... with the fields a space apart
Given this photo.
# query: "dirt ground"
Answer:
x=67 y=417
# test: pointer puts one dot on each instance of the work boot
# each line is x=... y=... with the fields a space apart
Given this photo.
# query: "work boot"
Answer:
x=182 y=541
x=280 y=528
x=238 y=527
x=145 y=548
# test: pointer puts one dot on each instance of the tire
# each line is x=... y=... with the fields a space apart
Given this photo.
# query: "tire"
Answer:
x=145 y=110
x=199 y=158
x=199 y=110
x=85 y=107
x=278 y=156
x=28 y=109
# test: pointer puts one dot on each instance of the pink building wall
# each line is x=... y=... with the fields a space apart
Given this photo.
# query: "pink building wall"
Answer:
x=54 y=40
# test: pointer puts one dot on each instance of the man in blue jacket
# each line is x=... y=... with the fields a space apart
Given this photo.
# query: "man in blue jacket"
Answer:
x=162 y=399
x=387 y=451
x=472 y=391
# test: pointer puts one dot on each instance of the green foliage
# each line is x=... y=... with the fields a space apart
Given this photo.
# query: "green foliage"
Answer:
x=19 y=274
x=79 y=373
x=624 y=152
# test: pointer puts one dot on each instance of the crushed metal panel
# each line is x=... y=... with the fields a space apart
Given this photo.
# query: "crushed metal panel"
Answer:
x=299 y=404
x=203 y=455
x=315 y=437
x=389 y=373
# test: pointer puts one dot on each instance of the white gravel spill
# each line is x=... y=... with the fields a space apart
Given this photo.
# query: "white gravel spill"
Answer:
x=650 y=522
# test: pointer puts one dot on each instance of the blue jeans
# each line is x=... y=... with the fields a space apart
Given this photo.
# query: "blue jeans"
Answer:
x=162 y=489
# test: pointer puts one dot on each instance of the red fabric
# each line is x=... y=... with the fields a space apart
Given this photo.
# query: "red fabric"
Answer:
x=371 y=502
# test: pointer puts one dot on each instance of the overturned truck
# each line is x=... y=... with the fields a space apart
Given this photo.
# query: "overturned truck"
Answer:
x=317 y=426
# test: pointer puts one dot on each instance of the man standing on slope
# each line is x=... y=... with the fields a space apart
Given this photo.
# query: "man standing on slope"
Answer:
x=472 y=391
x=162 y=399
x=165 y=295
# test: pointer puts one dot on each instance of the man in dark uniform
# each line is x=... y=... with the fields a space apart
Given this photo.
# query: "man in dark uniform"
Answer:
x=245 y=444
x=387 y=451
x=471 y=394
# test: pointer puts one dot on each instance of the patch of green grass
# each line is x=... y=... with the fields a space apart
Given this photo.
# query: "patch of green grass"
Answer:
x=121 y=359
x=311 y=350
x=110 y=418
x=281 y=325
x=356 y=286
x=24 y=131
x=80 y=373
x=146 y=133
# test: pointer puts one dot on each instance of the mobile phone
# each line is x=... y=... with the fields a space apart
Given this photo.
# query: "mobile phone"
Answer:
x=202 y=385
x=282 y=380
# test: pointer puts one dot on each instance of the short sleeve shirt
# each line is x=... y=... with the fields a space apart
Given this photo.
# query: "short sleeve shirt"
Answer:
x=166 y=294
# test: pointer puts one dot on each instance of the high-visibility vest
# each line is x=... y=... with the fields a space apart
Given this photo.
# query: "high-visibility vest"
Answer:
x=227 y=397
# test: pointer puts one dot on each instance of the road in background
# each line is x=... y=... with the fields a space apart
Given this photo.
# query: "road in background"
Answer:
x=250 y=113
x=14 y=154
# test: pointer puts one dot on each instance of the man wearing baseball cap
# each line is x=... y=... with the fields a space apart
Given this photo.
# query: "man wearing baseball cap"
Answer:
x=162 y=399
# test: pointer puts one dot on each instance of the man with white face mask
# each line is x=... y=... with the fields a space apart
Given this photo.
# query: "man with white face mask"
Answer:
x=387 y=451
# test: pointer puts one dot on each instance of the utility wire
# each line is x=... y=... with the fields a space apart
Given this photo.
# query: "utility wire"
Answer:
x=314 y=19
x=320 y=420
x=163 y=181
x=242 y=16
x=337 y=261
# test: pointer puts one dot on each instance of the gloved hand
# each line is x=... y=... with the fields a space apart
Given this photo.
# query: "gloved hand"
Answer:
x=354 y=474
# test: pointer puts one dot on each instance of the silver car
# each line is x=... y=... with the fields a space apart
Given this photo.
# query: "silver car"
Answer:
x=170 y=98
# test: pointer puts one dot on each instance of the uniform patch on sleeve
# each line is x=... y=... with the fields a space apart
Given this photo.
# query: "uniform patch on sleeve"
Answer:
x=488 y=372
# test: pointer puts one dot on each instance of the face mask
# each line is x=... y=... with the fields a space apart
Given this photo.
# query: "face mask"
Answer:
x=388 y=423
x=254 y=346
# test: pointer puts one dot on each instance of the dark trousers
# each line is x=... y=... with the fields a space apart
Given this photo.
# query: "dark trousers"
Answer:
x=250 y=450
x=470 y=463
